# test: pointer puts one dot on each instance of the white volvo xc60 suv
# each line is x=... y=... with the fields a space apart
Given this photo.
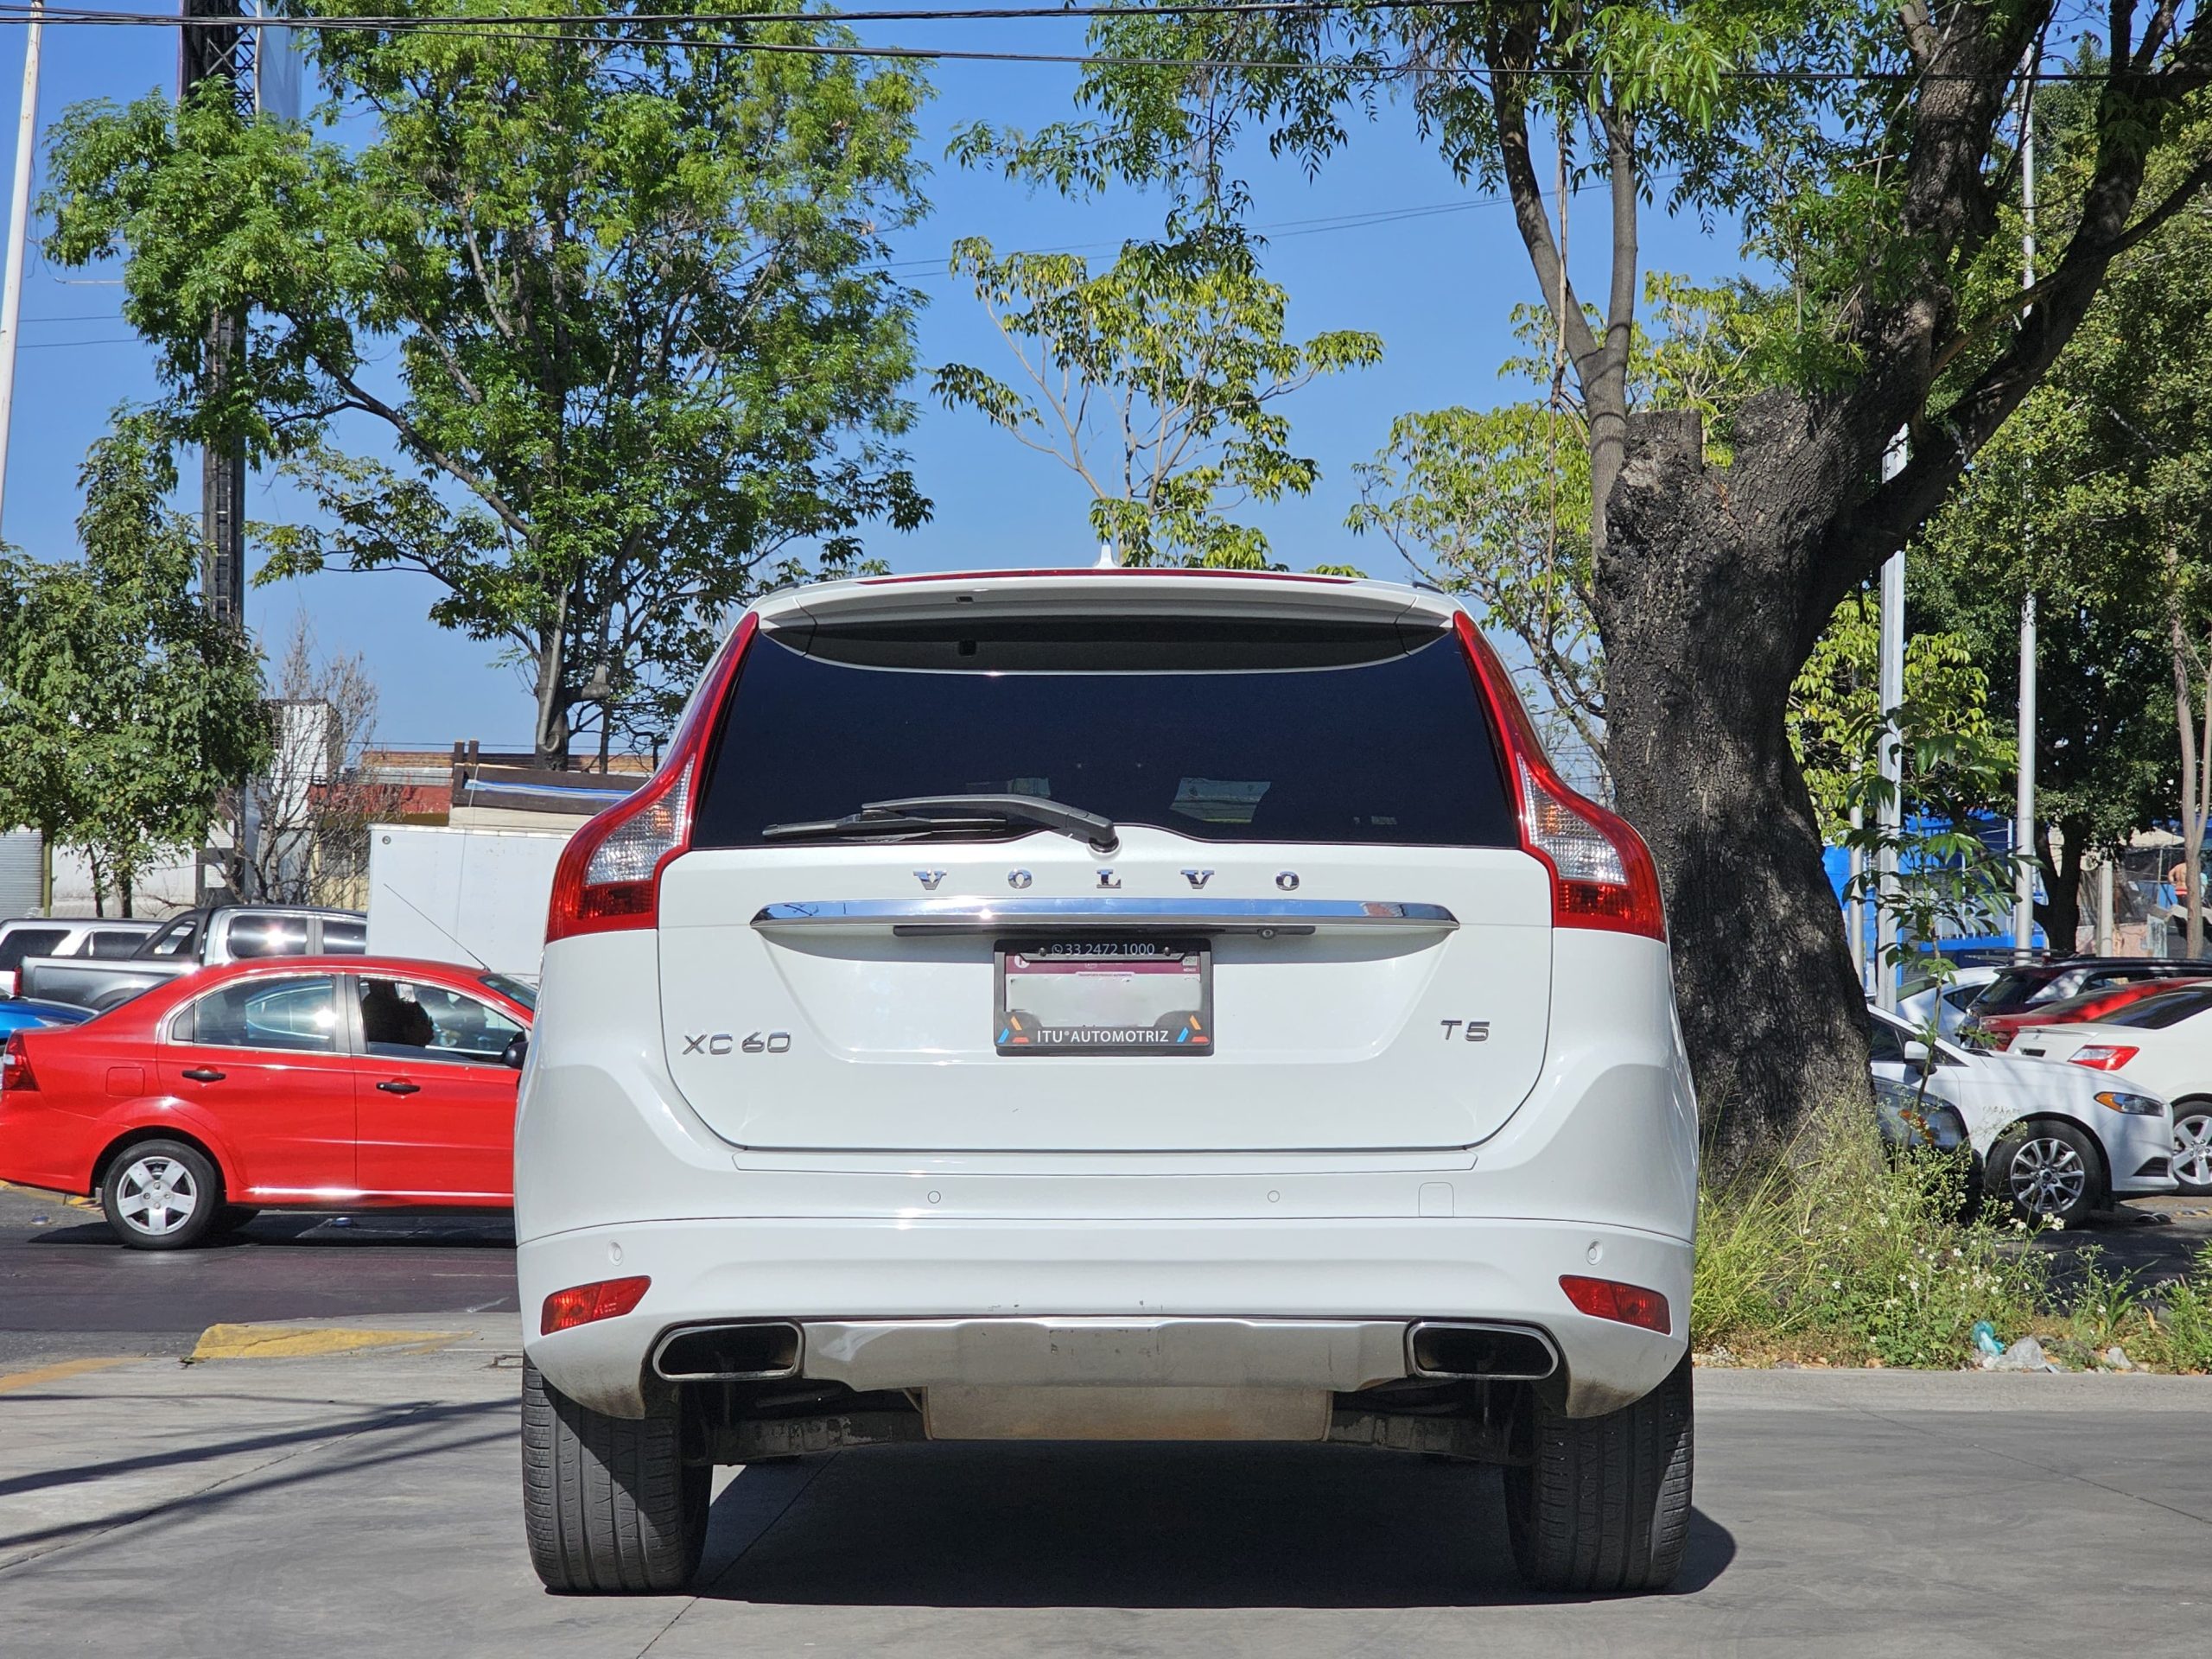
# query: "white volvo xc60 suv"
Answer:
x=1106 y=1005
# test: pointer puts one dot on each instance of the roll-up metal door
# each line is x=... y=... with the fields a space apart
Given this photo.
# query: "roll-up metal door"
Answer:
x=22 y=873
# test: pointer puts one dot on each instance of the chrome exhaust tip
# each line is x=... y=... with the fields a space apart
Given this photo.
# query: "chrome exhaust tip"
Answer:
x=755 y=1351
x=1472 y=1350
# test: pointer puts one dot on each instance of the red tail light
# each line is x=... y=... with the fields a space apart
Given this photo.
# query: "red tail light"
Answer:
x=15 y=1066
x=2104 y=1057
x=609 y=874
x=1602 y=873
x=603 y=1298
x=1605 y=1299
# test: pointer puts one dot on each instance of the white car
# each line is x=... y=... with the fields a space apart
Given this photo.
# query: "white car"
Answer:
x=2164 y=1043
x=22 y=937
x=1106 y=1005
x=2055 y=1142
x=1945 y=1001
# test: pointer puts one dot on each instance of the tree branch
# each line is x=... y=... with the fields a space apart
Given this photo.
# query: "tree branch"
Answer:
x=477 y=484
x=1508 y=104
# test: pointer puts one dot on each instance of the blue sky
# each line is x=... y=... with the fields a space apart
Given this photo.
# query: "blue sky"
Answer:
x=1437 y=286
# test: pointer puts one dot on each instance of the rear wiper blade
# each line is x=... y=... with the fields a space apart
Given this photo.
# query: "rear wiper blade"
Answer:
x=925 y=815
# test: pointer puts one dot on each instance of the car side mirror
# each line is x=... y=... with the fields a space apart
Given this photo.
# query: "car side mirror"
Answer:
x=516 y=1051
x=1916 y=1053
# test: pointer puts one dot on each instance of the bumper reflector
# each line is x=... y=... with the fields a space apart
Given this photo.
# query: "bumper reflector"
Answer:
x=1604 y=1298
x=603 y=1298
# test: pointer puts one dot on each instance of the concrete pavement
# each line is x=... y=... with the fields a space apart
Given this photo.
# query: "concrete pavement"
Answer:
x=367 y=1502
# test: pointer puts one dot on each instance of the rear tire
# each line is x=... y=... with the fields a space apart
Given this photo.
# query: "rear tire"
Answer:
x=1605 y=1507
x=608 y=1503
x=161 y=1195
x=2192 y=1164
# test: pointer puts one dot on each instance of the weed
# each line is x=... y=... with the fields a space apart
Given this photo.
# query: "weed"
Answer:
x=1837 y=1239
x=2175 y=1329
x=2105 y=1306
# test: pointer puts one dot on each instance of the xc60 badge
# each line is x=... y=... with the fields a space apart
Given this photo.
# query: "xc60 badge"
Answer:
x=722 y=1042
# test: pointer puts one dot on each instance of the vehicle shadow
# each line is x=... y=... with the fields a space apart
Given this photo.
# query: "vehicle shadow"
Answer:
x=2155 y=1241
x=84 y=1229
x=1127 y=1526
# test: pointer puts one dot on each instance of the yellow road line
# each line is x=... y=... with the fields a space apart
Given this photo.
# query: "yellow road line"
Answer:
x=56 y=1372
x=298 y=1342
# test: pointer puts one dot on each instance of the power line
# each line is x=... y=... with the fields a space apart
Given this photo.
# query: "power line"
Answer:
x=396 y=22
x=611 y=29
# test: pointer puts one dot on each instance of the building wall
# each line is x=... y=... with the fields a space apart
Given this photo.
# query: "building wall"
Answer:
x=161 y=888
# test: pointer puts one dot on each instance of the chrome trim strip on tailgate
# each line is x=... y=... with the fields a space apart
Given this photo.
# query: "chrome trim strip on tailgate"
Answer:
x=1182 y=915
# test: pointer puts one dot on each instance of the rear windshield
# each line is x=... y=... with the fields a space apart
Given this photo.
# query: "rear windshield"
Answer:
x=1218 y=730
x=2157 y=1013
x=2020 y=988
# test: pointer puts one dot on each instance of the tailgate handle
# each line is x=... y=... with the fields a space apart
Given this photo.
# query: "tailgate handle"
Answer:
x=203 y=1074
x=401 y=1086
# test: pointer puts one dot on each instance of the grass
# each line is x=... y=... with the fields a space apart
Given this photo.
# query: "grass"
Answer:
x=1832 y=1254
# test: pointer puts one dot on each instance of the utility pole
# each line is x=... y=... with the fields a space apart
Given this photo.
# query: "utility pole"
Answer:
x=19 y=230
x=211 y=48
x=2024 y=800
x=1890 y=688
x=222 y=51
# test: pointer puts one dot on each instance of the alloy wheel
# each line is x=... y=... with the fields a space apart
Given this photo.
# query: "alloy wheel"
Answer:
x=158 y=1195
x=2048 y=1176
x=2193 y=1148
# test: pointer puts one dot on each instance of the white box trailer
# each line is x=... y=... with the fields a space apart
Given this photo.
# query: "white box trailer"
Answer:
x=454 y=893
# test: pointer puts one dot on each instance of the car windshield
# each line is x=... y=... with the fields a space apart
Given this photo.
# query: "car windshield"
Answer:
x=1220 y=730
x=515 y=991
x=2022 y=988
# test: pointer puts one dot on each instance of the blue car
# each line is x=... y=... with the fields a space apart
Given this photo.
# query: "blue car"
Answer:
x=23 y=1013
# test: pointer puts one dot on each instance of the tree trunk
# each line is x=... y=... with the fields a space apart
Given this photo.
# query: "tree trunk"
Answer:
x=2061 y=913
x=1704 y=608
x=550 y=739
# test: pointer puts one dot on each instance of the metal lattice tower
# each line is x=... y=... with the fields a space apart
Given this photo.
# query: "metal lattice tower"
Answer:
x=229 y=54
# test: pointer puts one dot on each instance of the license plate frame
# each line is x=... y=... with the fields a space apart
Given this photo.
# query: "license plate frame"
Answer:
x=1057 y=965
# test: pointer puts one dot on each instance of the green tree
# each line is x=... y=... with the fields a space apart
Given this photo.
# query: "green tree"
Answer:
x=125 y=710
x=1154 y=381
x=1870 y=152
x=1496 y=504
x=2096 y=496
x=640 y=349
x=1836 y=717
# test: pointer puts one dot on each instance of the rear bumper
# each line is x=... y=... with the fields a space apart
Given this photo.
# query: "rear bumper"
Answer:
x=1093 y=1282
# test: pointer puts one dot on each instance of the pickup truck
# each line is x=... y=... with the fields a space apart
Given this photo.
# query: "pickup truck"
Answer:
x=192 y=940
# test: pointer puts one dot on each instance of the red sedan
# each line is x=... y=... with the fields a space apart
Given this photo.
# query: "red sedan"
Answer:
x=1998 y=1030
x=300 y=1083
